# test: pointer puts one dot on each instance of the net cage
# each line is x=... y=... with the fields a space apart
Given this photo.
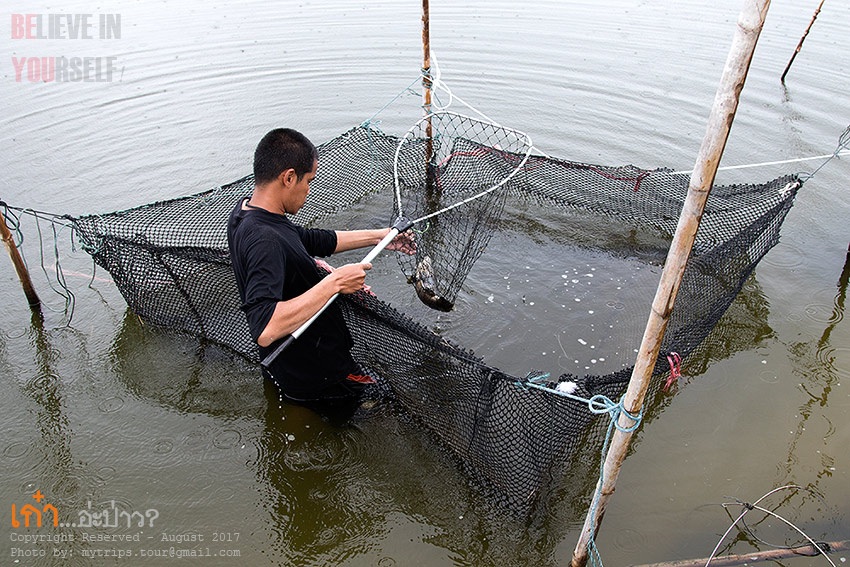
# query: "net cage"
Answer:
x=170 y=262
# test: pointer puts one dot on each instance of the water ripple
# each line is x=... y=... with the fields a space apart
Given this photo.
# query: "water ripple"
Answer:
x=17 y=449
x=313 y=458
x=786 y=256
x=106 y=473
x=111 y=405
x=227 y=439
x=163 y=446
x=630 y=539
x=28 y=487
x=836 y=358
x=70 y=486
x=819 y=312
x=197 y=438
x=769 y=377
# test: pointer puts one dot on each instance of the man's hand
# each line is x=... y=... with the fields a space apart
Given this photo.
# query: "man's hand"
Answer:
x=289 y=315
x=404 y=242
x=350 y=277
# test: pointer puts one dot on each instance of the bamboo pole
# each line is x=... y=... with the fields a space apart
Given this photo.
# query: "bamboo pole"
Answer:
x=750 y=23
x=426 y=60
x=18 y=262
x=802 y=39
x=432 y=192
x=807 y=550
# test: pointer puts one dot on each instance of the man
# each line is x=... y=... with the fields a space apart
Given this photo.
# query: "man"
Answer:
x=281 y=287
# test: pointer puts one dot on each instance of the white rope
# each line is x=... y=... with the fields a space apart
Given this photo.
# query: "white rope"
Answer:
x=437 y=84
x=765 y=163
x=521 y=137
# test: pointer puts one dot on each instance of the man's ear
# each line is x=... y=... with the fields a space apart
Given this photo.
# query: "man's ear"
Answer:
x=288 y=177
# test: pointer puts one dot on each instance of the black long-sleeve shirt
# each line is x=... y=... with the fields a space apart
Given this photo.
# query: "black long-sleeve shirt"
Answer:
x=273 y=260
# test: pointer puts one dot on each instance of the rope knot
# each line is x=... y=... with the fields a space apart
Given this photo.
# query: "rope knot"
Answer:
x=602 y=404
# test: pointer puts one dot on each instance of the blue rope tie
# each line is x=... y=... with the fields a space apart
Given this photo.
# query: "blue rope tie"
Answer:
x=597 y=404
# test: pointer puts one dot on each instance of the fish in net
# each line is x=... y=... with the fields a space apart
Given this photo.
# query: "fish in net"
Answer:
x=451 y=176
x=170 y=262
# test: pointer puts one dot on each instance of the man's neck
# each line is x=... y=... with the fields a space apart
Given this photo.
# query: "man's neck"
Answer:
x=261 y=200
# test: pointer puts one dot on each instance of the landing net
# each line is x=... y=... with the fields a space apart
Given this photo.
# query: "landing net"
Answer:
x=170 y=262
x=450 y=173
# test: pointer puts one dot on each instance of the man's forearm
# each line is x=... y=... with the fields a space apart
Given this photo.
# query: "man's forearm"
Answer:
x=290 y=314
x=353 y=239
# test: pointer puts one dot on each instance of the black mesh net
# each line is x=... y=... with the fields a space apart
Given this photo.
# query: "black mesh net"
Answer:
x=171 y=264
x=451 y=175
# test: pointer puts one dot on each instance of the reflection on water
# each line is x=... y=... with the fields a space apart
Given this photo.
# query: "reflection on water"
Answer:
x=180 y=373
x=814 y=365
x=327 y=492
x=55 y=477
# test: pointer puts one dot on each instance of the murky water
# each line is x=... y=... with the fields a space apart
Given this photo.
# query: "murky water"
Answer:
x=133 y=420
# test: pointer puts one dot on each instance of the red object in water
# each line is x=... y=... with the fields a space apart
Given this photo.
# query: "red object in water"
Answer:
x=675 y=362
x=361 y=379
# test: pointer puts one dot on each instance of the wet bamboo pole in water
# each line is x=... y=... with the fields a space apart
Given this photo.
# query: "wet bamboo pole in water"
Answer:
x=426 y=59
x=18 y=262
x=750 y=23
x=802 y=39
x=432 y=196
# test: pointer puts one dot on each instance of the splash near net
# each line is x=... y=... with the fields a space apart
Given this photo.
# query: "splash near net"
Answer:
x=171 y=264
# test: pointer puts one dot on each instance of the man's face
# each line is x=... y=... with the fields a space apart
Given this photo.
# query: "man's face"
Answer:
x=298 y=190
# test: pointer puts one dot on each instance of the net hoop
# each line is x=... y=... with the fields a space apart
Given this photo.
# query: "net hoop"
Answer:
x=522 y=140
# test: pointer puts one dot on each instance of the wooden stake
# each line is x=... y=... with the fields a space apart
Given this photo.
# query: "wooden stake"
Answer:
x=746 y=559
x=750 y=23
x=432 y=192
x=426 y=60
x=802 y=39
x=18 y=262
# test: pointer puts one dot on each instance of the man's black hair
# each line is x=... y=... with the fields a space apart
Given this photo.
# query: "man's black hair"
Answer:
x=282 y=149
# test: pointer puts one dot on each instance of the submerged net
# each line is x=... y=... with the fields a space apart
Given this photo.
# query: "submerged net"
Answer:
x=171 y=264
